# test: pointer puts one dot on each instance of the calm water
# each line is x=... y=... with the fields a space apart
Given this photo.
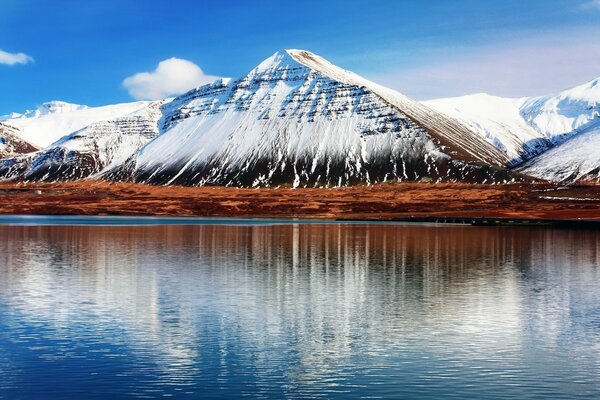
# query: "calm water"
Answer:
x=298 y=311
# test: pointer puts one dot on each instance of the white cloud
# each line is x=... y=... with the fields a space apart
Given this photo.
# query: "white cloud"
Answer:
x=171 y=77
x=14 y=58
x=528 y=67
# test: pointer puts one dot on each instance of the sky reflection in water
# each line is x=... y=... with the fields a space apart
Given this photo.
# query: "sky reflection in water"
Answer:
x=298 y=311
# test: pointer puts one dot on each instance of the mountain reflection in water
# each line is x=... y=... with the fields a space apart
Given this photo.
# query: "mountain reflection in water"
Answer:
x=298 y=311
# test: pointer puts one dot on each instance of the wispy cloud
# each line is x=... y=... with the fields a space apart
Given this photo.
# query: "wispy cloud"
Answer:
x=171 y=77
x=591 y=5
x=531 y=66
x=7 y=58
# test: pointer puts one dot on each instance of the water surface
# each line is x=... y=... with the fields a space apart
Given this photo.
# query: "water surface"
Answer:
x=298 y=311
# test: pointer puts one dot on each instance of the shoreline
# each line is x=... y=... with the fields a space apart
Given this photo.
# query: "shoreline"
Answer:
x=405 y=202
x=147 y=221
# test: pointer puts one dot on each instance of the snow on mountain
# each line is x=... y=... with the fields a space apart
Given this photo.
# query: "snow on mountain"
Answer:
x=50 y=107
x=298 y=119
x=53 y=107
x=499 y=121
x=53 y=120
x=11 y=143
x=525 y=129
x=577 y=159
x=565 y=114
x=572 y=120
x=89 y=150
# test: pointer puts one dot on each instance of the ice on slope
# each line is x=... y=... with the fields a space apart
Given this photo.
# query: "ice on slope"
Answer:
x=53 y=120
x=572 y=120
x=297 y=118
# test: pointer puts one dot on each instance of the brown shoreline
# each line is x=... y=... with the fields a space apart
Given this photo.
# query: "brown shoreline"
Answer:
x=376 y=202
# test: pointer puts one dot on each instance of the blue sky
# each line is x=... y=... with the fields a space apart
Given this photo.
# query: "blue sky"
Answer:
x=83 y=50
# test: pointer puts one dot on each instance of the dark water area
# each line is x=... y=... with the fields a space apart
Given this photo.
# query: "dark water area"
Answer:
x=279 y=311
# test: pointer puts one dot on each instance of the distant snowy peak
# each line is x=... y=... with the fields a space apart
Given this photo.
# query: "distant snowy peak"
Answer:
x=564 y=114
x=526 y=127
x=47 y=108
x=89 y=150
x=53 y=120
x=572 y=119
x=53 y=107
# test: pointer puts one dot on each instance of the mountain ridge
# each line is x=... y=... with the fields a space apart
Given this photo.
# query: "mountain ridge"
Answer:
x=298 y=119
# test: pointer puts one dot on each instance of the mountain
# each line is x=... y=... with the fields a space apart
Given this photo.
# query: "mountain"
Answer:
x=566 y=114
x=573 y=119
x=576 y=159
x=53 y=120
x=11 y=143
x=551 y=137
x=298 y=119
x=89 y=150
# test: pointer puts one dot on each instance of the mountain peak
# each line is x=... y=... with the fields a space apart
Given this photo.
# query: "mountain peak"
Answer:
x=304 y=61
x=53 y=107
x=279 y=60
x=589 y=91
x=56 y=106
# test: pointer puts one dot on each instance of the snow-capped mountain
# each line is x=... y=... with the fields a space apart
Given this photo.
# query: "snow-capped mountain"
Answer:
x=570 y=112
x=557 y=134
x=11 y=143
x=576 y=159
x=89 y=150
x=53 y=120
x=298 y=119
x=573 y=117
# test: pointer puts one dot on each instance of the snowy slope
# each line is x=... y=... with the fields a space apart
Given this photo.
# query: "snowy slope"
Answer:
x=88 y=151
x=572 y=120
x=577 y=159
x=525 y=129
x=297 y=119
x=53 y=120
x=499 y=121
x=11 y=143
x=565 y=114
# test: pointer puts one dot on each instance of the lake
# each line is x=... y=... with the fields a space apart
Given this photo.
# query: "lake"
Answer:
x=232 y=309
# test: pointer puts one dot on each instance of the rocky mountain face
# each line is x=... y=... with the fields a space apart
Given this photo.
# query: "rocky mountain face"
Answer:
x=11 y=143
x=297 y=119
